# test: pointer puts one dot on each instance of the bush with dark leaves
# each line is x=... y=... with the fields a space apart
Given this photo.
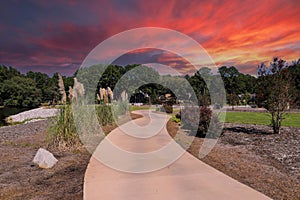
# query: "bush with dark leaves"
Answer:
x=198 y=120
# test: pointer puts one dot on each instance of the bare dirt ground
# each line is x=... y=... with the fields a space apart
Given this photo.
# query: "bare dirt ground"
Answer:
x=250 y=154
x=266 y=162
x=21 y=179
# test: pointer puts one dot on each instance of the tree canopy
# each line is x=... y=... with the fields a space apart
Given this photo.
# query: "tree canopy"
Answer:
x=34 y=88
x=275 y=90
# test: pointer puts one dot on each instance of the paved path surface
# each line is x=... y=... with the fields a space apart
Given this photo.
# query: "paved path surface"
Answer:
x=186 y=178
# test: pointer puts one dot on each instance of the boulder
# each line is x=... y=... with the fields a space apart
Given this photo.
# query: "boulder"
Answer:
x=44 y=159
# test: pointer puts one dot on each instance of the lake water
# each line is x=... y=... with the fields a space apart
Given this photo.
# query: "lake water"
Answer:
x=5 y=112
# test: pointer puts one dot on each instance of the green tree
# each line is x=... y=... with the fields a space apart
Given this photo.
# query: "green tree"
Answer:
x=111 y=76
x=295 y=73
x=275 y=89
x=133 y=80
x=200 y=86
x=41 y=81
x=20 y=92
x=8 y=73
x=232 y=82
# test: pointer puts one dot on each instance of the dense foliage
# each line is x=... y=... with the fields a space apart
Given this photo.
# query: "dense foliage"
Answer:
x=275 y=90
x=198 y=120
x=141 y=83
x=29 y=90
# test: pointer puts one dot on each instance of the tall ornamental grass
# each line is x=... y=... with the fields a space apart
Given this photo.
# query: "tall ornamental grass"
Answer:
x=62 y=133
x=104 y=114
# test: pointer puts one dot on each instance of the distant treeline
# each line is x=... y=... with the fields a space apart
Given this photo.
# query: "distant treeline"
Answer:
x=34 y=88
x=29 y=90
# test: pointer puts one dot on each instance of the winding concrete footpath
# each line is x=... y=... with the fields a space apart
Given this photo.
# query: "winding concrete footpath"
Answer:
x=185 y=178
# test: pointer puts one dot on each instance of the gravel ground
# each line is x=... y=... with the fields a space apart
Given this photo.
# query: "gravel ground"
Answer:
x=283 y=148
x=249 y=153
x=21 y=179
x=252 y=155
x=38 y=113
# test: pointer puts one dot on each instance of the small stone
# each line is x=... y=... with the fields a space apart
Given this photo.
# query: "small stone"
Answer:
x=44 y=159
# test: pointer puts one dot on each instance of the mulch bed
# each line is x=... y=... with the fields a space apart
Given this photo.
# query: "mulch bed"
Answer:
x=252 y=155
x=248 y=153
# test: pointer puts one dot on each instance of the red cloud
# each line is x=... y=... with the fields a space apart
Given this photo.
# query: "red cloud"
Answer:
x=239 y=32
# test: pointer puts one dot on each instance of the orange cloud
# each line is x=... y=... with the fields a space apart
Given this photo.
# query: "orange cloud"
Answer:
x=236 y=32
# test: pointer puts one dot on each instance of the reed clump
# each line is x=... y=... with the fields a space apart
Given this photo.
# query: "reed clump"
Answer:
x=62 y=131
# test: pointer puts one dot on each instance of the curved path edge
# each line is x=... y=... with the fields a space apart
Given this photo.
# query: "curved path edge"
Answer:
x=186 y=178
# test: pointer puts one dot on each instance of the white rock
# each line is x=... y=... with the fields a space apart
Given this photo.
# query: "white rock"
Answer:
x=34 y=120
x=44 y=159
x=37 y=113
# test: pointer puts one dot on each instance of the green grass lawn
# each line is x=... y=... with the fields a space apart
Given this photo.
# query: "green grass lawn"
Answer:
x=144 y=107
x=147 y=107
x=291 y=119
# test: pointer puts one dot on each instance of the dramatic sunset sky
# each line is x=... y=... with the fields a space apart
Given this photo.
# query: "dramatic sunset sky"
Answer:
x=55 y=36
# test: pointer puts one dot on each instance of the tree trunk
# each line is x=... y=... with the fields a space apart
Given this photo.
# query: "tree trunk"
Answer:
x=276 y=123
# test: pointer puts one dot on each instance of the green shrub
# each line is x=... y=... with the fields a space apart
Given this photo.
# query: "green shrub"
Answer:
x=199 y=120
x=175 y=119
x=205 y=117
x=167 y=108
x=178 y=115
